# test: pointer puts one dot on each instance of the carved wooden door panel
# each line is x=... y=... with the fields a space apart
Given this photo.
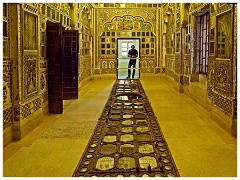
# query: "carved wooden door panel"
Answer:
x=70 y=64
x=54 y=68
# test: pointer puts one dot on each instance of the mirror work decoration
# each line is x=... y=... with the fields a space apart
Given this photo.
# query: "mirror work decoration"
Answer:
x=127 y=22
x=127 y=141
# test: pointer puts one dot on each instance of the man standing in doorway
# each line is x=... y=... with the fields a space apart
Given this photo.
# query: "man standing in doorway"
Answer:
x=133 y=54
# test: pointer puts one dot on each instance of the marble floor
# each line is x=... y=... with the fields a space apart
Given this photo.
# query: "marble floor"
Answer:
x=200 y=148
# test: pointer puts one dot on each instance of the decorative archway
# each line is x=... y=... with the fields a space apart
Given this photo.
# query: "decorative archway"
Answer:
x=127 y=23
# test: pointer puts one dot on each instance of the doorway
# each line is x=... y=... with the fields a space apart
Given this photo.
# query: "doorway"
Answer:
x=124 y=45
x=62 y=55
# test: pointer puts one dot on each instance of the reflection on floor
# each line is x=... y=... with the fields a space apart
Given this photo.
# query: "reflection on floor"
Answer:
x=199 y=147
x=123 y=69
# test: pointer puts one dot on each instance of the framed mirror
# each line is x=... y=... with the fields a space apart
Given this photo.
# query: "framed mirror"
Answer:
x=224 y=35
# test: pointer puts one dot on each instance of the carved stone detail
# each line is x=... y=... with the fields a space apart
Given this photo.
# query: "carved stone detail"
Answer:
x=223 y=103
x=7 y=117
x=178 y=65
x=170 y=59
x=160 y=52
x=30 y=30
x=222 y=7
x=43 y=81
x=149 y=15
x=210 y=76
x=30 y=107
x=127 y=22
x=222 y=83
x=84 y=68
x=197 y=7
x=30 y=74
x=31 y=7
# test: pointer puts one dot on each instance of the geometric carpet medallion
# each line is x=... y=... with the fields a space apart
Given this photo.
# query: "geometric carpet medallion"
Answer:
x=127 y=141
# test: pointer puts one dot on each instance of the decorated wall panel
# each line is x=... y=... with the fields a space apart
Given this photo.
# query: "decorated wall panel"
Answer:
x=186 y=64
x=169 y=32
x=221 y=73
x=126 y=23
x=7 y=117
x=223 y=103
x=224 y=35
x=149 y=15
x=126 y=5
x=170 y=62
x=235 y=62
x=84 y=68
x=7 y=84
x=197 y=7
x=30 y=32
x=30 y=107
x=224 y=64
x=7 y=69
x=220 y=62
x=33 y=61
x=210 y=80
x=84 y=24
x=30 y=75
x=222 y=83
x=177 y=63
x=43 y=53
x=30 y=55
x=186 y=71
x=108 y=64
x=160 y=39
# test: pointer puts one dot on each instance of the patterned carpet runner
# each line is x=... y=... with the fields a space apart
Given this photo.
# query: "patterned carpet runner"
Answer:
x=127 y=141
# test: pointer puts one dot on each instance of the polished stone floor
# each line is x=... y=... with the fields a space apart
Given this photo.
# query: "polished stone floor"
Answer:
x=199 y=147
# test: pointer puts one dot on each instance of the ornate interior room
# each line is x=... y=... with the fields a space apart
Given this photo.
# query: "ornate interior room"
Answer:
x=70 y=109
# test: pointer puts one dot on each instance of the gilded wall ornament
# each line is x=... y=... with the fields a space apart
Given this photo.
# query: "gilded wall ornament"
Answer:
x=197 y=7
x=225 y=104
x=30 y=107
x=30 y=32
x=7 y=117
x=149 y=15
x=42 y=81
x=6 y=51
x=127 y=22
x=235 y=53
x=30 y=74
x=30 y=7
x=223 y=77
x=222 y=7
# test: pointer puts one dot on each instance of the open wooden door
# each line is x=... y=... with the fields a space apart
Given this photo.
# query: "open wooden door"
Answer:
x=70 y=64
x=62 y=55
x=55 y=96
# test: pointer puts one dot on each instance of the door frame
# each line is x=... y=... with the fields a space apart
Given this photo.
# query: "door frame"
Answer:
x=53 y=107
x=139 y=42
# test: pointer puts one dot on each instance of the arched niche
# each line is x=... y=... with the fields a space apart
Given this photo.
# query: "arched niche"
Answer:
x=127 y=23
